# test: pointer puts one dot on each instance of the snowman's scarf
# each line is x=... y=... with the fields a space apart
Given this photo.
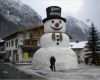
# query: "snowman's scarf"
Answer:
x=54 y=36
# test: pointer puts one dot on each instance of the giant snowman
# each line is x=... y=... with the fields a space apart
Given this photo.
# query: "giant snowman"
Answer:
x=55 y=43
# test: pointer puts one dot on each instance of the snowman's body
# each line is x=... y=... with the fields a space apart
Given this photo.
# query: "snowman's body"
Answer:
x=54 y=43
x=65 y=58
x=54 y=40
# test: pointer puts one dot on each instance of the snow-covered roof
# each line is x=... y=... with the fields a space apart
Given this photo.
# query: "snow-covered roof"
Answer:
x=78 y=44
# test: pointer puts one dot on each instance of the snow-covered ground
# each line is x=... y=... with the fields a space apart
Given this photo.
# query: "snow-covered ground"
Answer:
x=82 y=73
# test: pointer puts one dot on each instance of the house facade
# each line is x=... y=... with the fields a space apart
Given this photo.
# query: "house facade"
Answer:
x=78 y=47
x=20 y=46
x=2 y=51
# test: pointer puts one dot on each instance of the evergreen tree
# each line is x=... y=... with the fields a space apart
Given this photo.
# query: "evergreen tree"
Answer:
x=93 y=46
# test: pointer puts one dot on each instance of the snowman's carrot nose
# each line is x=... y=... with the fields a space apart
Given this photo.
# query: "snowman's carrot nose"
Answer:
x=57 y=25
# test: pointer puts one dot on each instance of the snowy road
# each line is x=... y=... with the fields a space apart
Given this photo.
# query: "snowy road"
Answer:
x=84 y=73
x=87 y=73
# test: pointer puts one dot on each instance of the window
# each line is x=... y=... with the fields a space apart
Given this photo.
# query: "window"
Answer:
x=26 y=42
x=16 y=43
x=9 y=53
x=34 y=42
x=6 y=44
x=9 y=43
x=31 y=35
x=12 y=43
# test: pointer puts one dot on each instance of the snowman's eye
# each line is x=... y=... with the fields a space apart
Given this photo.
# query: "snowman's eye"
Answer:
x=60 y=21
x=52 y=21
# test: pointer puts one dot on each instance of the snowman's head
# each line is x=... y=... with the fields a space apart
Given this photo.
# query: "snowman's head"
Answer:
x=54 y=25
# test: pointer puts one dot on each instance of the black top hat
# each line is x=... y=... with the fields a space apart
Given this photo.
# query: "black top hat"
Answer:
x=53 y=12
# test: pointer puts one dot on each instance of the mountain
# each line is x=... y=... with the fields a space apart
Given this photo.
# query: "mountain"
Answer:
x=77 y=29
x=6 y=27
x=15 y=15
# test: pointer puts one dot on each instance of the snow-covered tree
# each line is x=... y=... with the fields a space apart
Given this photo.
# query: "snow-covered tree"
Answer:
x=93 y=46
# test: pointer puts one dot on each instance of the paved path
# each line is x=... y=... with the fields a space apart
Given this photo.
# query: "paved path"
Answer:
x=82 y=73
x=87 y=73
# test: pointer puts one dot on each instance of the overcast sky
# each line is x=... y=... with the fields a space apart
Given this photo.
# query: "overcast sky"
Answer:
x=82 y=9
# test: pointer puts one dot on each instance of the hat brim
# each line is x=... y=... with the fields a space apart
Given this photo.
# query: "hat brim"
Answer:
x=54 y=17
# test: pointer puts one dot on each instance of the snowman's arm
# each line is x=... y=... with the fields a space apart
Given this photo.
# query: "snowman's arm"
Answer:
x=69 y=35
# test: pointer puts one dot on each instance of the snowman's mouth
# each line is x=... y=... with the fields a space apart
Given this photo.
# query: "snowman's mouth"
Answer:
x=56 y=28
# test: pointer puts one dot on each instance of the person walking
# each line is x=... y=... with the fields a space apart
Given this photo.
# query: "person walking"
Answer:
x=52 y=63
